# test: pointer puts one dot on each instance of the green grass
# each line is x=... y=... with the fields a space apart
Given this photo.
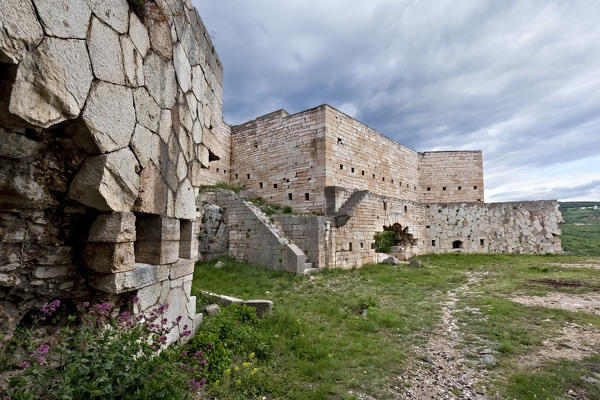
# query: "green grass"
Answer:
x=581 y=228
x=317 y=344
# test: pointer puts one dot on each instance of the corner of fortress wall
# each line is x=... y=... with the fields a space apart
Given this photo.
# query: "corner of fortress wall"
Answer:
x=110 y=123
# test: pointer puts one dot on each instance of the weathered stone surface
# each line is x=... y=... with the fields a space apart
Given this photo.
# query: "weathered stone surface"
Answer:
x=155 y=228
x=52 y=82
x=141 y=143
x=157 y=253
x=203 y=155
x=153 y=192
x=108 y=182
x=160 y=38
x=20 y=30
x=157 y=240
x=181 y=268
x=115 y=13
x=182 y=68
x=198 y=82
x=16 y=145
x=109 y=116
x=391 y=260
x=185 y=203
x=109 y=257
x=159 y=77
x=262 y=307
x=139 y=34
x=221 y=299
x=192 y=104
x=188 y=242
x=219 y=264
x=50 y=272
x=67 y=19
x=165 y=125
x=197 y=132
x=181 y=167
x=113 y=227
x=105 y=52
x=147 y=111
x=133 y=63
x=141 y=276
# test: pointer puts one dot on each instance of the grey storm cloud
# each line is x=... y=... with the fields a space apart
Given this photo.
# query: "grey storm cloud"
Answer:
x=518 y=80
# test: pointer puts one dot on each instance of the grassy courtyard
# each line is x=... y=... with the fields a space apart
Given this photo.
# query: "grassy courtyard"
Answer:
x=359 y=333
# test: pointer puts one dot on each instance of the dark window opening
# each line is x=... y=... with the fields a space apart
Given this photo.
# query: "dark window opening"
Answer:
x=261 y=185
x=352 y=169
x=341 y=166
x=457 y=244
x=429 y=189
x=224 y=171
x=306 y=196
x=339 y=140
x=385 y=205
x=217 y=169
x=474 y=187
x=460 y=187
x=478 y=199
x=362 y=173
x=427 y=226
x=362 y=245
x=405 y=209
x=289 y=196
x=444 y=188
x=350 y=246
x=248 y=176
x=433 y=243
x=236 y=176
x=392 y=181
x=373 y=176
x=383 y=178
x=275 y=186
x=481 y=242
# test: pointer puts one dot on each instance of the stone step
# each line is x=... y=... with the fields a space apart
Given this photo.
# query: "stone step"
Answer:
x=311 y=271
x=308 y=265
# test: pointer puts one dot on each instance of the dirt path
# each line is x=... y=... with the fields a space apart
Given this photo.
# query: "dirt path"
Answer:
x=442 y=371
x=586 y=302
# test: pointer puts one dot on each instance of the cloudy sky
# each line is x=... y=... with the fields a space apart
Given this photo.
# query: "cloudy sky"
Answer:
x=519 y=80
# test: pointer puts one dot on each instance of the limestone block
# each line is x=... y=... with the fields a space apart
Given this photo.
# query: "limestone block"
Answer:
x=185 y=117
x=182 y=268
x=52 y=82
x=44 y=272
x=157 y=240
x=198 y=82
x=197 y=132
x=109 y=257
x=185 y=203
x=20 y=30
x=186 y=144
x=113 y=228
x=139 y=34
x=212 y=309
x=165 y=125
x=153 y=192
x=295 y=259
x=181 y=167
x=149 y=296
x=105 y=52
x=109 y=116
x=197 y=175
x=114 y=13
x=262 y=307
x=141 y=276
x=192 y=104
x=158 y=151
x=67 y=19
x=183 y=69
x=146 y=109
x=160 y=38
x=16 y=145
x=133 y=63
x=108 y=182
x=141 y=143
x=203 y=155
x=188 y=242
x=159 y=76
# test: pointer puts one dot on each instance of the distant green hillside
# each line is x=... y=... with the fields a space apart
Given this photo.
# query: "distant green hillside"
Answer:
x=581 y=229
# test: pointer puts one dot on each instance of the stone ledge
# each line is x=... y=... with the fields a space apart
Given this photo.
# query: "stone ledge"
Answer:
x=143 y=275
x=181 y=268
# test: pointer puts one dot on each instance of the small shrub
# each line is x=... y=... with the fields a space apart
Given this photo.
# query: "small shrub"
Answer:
x=138 y=7
x=287 y=210
x=384 y=241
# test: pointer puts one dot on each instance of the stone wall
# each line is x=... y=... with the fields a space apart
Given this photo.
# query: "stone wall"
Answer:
x=311 y=233
x=110 y=124
x=529 y=227
x=281 y=158
x=450 y=176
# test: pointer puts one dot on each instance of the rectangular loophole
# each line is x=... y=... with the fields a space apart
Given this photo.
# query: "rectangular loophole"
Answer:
x=274 y=186
x=350 y=246
x=433 y=243
x=289 y=196
x=261 y=185
x=306 y=196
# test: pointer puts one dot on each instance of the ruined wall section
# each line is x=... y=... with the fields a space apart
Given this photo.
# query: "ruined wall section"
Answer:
x=529 y=227
x=280 y=157
x=450 y=176
x=110 y=122
x=359 y=157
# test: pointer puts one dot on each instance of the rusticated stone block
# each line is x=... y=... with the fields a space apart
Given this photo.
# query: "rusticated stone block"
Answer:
x=113 y=228
x=188 y=244
x=158 y=253
x=141 y=276
x=157 y=239
x=109 y=257
x=181 y=268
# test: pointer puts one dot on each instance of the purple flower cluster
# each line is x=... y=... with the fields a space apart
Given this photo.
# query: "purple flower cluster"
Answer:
x=198 y=384
x=48 y=309
x=38 y=355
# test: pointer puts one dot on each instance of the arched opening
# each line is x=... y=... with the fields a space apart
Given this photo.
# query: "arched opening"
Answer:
x=457 y=244
x=394 y=239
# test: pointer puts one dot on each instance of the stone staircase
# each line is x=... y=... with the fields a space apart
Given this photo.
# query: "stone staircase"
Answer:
x=347 y=209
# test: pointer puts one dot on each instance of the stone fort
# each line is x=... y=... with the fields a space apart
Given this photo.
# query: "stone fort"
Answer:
x=113 y=144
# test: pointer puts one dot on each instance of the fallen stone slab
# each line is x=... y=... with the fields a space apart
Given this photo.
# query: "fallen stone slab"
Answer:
x=212 y=309
x=221 y=299
x=262 y=307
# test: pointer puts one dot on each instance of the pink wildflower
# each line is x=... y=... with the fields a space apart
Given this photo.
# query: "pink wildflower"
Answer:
x=25 y=364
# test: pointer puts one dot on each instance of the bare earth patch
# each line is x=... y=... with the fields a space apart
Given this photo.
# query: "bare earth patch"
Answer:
x=593 y=266
x=442 y=371
x=575 y=342
x=587 y=302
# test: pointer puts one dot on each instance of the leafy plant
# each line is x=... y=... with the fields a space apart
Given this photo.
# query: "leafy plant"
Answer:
x=384 y=241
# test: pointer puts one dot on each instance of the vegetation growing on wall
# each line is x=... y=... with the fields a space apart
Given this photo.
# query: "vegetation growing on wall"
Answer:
x=384 y=241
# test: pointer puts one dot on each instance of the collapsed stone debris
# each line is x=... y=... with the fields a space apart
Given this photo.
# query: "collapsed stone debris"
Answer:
x=112 y=131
